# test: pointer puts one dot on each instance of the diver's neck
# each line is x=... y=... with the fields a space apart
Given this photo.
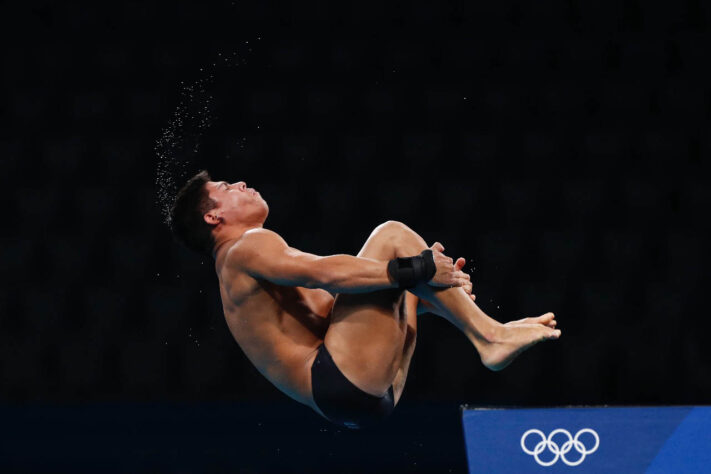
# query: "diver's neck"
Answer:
x=230 y=234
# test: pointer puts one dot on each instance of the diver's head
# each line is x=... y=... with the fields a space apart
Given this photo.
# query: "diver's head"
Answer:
x=204 y=210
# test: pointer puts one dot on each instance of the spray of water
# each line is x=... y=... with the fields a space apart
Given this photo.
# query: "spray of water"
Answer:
x=178 y=145
x=179 y=142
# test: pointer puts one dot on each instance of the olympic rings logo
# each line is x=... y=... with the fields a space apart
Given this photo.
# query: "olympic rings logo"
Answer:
x=559 y=452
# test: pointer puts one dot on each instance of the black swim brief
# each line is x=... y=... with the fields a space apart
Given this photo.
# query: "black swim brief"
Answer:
x=342 y=402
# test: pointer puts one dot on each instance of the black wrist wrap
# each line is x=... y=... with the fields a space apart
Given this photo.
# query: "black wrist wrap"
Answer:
x=408 y=272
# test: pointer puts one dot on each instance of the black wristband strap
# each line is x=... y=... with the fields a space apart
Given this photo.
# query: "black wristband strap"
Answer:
x=409 y=271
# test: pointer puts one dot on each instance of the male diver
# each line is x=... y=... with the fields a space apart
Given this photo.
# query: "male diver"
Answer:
x=336 y=333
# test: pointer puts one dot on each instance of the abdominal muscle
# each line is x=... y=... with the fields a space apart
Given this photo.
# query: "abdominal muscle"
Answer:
x=280 y=329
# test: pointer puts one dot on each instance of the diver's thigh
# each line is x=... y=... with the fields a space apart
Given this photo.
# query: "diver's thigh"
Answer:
x=366 y=338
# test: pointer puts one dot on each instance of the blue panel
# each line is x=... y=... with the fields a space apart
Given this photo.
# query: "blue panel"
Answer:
x=665 y=439
x=688 y=449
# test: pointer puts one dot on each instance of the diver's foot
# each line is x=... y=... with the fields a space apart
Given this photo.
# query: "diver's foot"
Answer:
x=515 y=337
x=547 y=319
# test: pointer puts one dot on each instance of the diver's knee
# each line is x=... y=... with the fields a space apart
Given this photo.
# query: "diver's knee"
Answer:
x=392 y=227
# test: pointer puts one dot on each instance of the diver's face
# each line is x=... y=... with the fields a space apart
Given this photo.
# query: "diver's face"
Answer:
x=236 y=203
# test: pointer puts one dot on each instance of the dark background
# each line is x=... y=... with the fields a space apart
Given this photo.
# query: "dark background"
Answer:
x=561 y=147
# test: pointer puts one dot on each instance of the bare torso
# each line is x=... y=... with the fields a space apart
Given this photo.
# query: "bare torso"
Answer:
x=279 y=328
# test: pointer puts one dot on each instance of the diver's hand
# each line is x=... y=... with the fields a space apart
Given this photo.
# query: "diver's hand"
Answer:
x=459 y=264
x=447 y=274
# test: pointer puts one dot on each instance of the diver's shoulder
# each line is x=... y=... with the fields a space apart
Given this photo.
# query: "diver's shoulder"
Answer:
x=256 y=238
x=258 y=233
x=252 y=241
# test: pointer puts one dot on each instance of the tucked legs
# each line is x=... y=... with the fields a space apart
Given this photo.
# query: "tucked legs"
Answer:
x=372 y=335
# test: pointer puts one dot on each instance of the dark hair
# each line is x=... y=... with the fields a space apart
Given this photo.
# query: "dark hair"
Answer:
x=186 y=215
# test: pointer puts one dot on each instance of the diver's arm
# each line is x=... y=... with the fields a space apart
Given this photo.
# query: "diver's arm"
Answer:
x=264 y=254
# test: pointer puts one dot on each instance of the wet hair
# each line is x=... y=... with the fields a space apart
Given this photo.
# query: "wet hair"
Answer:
x=186 y=215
